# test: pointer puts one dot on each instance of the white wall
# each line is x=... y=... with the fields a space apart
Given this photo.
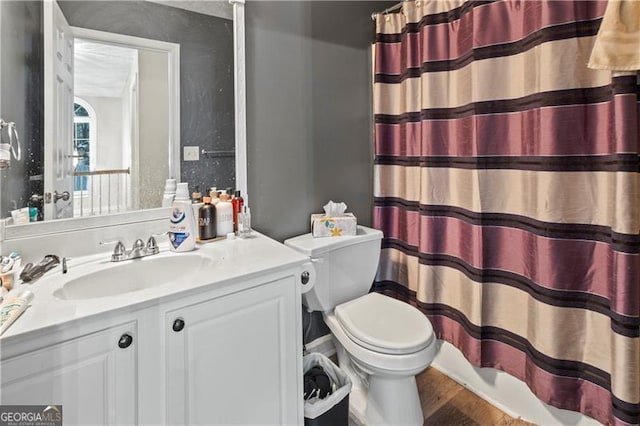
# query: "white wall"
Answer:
x=108 y=152
x=153 y=121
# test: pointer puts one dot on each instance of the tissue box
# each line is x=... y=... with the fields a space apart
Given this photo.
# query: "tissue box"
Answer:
x=333 y=226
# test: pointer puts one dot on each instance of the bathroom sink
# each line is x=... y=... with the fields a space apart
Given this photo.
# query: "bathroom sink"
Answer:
x=132 y=275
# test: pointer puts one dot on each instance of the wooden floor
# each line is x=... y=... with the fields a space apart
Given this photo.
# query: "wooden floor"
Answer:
x=445 y=402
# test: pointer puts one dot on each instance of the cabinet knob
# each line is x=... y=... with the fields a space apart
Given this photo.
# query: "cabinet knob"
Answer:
x=125 y=341
x=304 y=277
x=178 y=324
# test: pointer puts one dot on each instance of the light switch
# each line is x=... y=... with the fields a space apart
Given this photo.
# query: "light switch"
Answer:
x=191 y=153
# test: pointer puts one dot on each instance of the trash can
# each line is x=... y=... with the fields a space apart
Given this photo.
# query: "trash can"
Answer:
x=332 y=409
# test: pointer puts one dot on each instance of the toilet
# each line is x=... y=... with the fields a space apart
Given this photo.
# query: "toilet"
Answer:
x=381 y=343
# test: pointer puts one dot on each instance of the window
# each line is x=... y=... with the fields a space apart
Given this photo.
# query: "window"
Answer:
x=83 y=140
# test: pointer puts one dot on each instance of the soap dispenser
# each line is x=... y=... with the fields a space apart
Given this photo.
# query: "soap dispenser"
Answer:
x=182 y=227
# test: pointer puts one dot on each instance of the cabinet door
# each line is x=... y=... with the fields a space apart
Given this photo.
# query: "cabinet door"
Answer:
x=233 y=360
x=93 y=377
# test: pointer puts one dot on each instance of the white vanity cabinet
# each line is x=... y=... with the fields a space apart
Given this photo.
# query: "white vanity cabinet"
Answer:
x=93 y=377
x=234 y=359
x=222 y=346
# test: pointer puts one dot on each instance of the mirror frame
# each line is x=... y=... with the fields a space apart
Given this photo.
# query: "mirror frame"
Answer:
x=14 y=232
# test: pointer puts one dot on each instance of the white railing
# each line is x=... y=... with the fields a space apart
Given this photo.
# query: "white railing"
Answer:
x=101 y=192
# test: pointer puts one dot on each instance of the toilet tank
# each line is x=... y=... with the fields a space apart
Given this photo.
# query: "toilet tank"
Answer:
x=345 y=266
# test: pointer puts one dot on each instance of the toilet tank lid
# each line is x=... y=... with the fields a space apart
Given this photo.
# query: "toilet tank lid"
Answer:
x=315 y=247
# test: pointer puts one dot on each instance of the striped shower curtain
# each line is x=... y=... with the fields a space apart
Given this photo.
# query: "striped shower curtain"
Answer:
x=507 y=184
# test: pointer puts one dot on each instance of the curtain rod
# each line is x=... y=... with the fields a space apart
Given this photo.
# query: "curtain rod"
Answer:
x=387 y=10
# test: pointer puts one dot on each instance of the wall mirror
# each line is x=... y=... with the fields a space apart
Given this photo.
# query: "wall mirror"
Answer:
x=180 y=83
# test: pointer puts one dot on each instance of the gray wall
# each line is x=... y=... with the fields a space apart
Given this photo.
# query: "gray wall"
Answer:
x=309 y=124
x=206 y=74
x=21 y=94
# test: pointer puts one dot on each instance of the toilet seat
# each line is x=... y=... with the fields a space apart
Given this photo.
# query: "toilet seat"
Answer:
x=372 y=361
x=384 y=325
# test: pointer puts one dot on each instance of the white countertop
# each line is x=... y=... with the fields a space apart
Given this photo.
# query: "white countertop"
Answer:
x=234 y=259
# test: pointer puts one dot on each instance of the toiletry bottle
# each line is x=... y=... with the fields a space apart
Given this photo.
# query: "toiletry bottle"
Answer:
x=169 y=192
x=196 y=200
x=182 y=226
x=33 y=214
x=224 y=215
x=207 y=220
x=196 y=197
x=244 y=222
x=237 y=203
x=214 y=194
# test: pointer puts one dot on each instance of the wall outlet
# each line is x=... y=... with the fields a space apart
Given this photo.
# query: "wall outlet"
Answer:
x=191 y=153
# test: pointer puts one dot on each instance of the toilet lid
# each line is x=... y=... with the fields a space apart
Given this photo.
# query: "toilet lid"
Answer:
x=385 y=325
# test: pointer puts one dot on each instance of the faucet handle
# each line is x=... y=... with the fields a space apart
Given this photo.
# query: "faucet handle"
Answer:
x=152 y=245
x=139 y=244
x=119 y=252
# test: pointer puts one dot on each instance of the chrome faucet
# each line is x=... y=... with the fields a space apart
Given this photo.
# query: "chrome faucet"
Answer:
x=139 y=249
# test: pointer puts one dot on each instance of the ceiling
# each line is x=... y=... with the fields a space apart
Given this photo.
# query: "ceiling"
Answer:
x=102 y=70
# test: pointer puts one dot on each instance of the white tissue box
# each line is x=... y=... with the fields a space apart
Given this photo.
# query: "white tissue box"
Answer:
x=333 y=226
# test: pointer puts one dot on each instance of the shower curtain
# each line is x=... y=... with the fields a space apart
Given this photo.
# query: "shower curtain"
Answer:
x=507 y=184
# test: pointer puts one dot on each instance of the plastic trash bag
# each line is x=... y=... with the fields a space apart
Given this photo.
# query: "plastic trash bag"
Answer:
x=316 y=407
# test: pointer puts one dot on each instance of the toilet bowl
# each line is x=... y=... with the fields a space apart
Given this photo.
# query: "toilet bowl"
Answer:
x=382 y=365
x=381 y=343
